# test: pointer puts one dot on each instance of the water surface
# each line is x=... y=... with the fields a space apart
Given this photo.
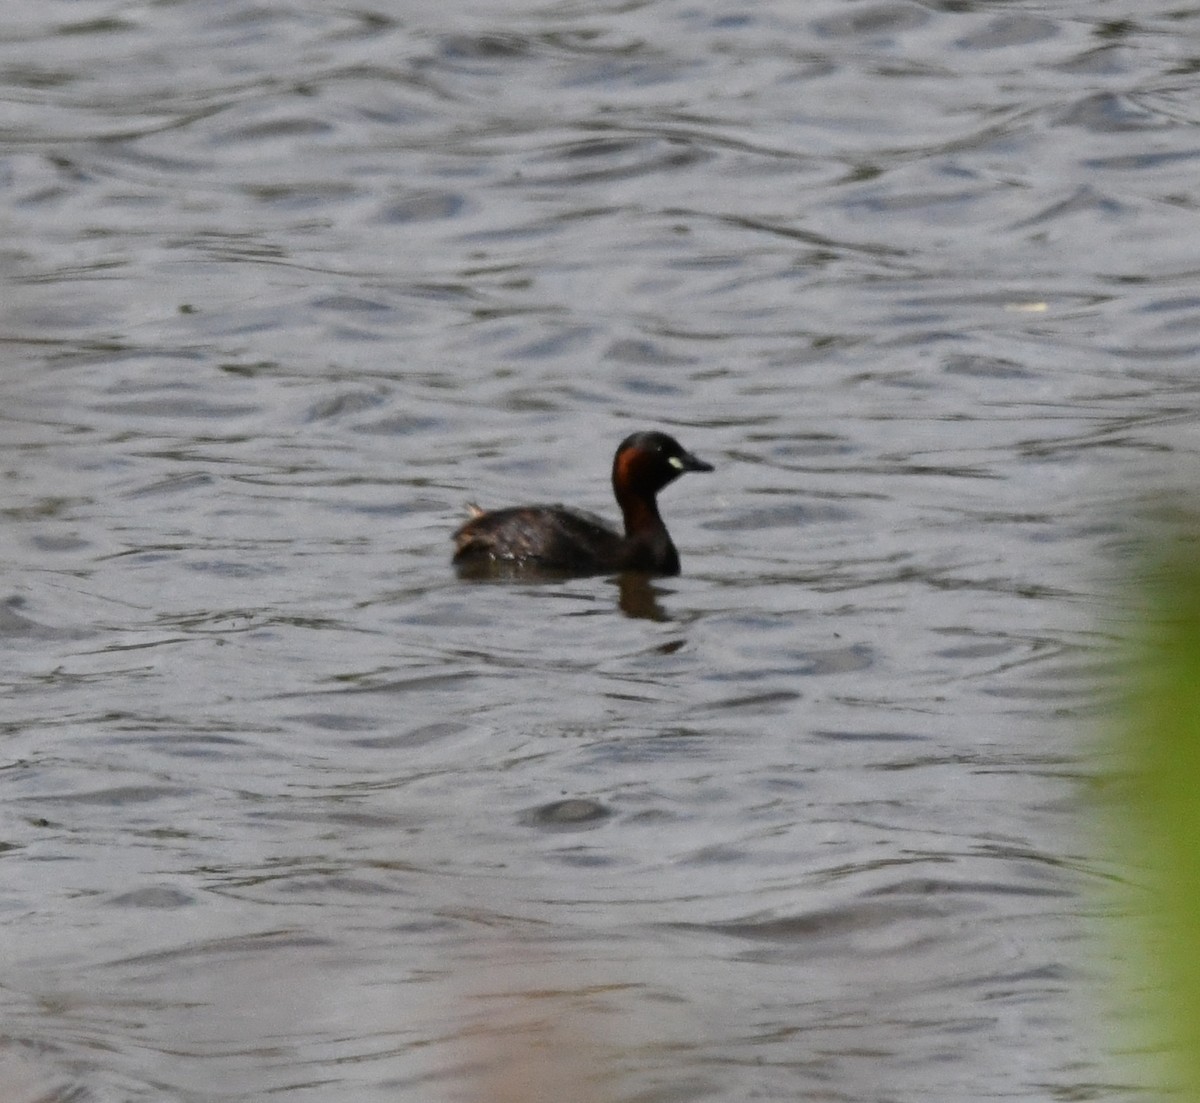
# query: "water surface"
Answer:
x=292 y=810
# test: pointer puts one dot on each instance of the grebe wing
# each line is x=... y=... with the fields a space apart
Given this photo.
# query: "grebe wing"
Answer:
x=552 y=535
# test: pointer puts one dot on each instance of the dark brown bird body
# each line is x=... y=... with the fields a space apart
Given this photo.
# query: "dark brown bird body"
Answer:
x=559 y=538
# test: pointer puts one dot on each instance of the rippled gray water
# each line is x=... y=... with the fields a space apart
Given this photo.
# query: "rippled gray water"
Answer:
x=293 y=812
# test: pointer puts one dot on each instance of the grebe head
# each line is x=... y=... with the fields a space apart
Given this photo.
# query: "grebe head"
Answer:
x=646 y=462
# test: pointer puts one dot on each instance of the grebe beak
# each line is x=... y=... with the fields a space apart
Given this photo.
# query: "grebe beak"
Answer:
x=688 y=462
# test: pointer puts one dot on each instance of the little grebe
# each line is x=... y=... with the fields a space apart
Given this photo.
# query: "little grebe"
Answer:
x=558 y=538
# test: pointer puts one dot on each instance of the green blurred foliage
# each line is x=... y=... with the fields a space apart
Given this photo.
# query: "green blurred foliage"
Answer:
x=1160 y=837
